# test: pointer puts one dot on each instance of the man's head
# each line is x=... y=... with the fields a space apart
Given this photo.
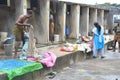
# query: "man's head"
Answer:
x=96 y=24
x=29 y=13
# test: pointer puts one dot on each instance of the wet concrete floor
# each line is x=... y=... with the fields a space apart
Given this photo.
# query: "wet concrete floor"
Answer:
x=93 y=69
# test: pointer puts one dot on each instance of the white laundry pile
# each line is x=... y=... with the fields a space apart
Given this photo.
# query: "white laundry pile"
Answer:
x=84 y=46
x=108 y=38
x=76 y=47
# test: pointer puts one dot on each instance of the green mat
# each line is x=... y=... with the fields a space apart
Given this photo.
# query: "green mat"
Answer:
x=18 y=67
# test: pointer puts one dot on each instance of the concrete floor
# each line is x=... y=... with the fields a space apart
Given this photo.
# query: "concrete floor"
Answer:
x=93 y=69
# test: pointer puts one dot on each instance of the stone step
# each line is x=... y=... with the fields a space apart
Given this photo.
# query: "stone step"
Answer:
x=63 y=60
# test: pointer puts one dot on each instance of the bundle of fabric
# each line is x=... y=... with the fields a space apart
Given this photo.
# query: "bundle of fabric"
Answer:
x=67 y=49
x=49 y=59
x=68 y=44
x=35 y=58
x=87 y=47
x=18 y=67
x=86 y=39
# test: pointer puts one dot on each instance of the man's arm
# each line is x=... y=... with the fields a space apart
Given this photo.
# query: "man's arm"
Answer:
x=19 y=21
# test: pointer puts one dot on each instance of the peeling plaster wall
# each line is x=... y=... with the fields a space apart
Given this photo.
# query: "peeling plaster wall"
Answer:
x=75 y=17
x=7 y=19
x=9 y=15
x=61 y=20
x=106 y=15
x=84 y=26
x=92 y=18
x=43 y=24
x=100 y=15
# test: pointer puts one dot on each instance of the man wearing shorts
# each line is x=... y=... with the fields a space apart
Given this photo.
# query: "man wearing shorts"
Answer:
x=117 y=37
x=20 y=27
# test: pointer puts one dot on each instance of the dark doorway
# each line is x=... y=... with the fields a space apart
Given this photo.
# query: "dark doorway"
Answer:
x=34 y=4
x=3 y=2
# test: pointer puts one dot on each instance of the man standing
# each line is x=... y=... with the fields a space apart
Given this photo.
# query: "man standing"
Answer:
x=51 y=29
x=116 y=36
x=20 y=26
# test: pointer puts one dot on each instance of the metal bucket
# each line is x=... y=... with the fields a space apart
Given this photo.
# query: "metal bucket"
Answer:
x=56 y=38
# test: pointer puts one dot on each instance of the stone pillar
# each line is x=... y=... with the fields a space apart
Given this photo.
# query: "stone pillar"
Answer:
x=84 y=27
x=101 y=17
x=106 y=20
x=44 y=21
x=95 y=15
x=92 y=18
x=28 y=4
x=75 y=18
x=21 y=7
x=61 y=23
x=8 y=3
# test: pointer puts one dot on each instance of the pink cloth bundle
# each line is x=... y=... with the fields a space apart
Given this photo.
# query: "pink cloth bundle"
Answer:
x=49 y=59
